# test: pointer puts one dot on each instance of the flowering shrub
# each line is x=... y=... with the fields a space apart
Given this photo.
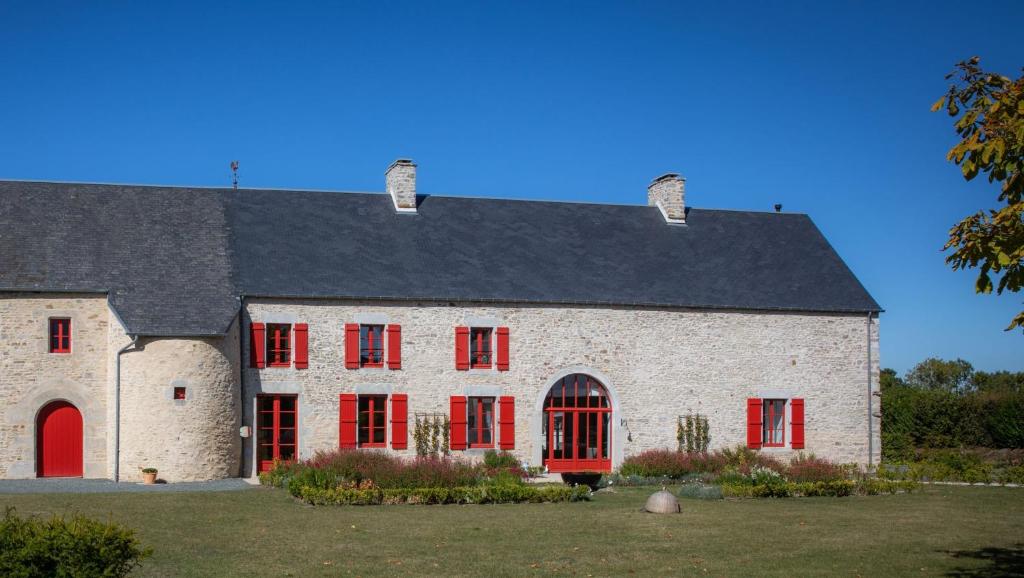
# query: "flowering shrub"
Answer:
x=670 y=464
x=329 y=469
x=808 y=468
x=760 y=475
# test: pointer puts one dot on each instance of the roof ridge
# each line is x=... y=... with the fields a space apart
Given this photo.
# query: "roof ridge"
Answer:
x=382 y=193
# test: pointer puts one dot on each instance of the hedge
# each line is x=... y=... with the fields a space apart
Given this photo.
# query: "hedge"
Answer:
x=834 y=488
x=919 y=418
x=485 y=494
x=77 y=546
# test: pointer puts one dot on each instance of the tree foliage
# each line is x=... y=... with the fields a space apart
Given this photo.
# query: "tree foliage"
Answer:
x=989 y=113
x=940 y=375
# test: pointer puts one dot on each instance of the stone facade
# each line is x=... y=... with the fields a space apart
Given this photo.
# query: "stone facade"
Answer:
x=656 y=364
x=31 y=377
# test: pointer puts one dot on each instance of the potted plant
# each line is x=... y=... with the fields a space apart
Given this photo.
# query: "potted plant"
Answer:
x=149 y=475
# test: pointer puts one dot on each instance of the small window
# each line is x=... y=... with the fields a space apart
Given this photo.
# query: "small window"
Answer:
x=372 y=417
x=371 y=346
x=279 y=344
x=60 y=335
x=480 y=348
x=179 y=393
x=480 y=424
x=774 y=420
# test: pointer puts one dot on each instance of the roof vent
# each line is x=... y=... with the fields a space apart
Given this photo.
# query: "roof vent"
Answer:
x=401 y=184
x=668 y=193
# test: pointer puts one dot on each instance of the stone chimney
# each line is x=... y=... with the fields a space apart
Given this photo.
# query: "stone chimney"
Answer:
x=668 y=193
x=401 y=182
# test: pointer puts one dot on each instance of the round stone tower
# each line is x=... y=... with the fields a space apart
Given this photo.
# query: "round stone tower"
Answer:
x=181 y=408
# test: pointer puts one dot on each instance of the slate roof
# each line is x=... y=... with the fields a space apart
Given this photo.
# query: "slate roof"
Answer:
x=175 y=260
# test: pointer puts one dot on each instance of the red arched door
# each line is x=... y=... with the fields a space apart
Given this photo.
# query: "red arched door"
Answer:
x=59 y=441
x=577 y=426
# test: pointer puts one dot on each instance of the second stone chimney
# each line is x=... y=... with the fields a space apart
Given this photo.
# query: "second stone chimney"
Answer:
x=401 y=183
x=668 y=193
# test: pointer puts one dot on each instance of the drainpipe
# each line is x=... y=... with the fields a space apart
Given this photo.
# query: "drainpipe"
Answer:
x=117 y=406
x=871 y=418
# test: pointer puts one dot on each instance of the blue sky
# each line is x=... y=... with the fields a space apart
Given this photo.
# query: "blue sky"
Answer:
x=820 y=106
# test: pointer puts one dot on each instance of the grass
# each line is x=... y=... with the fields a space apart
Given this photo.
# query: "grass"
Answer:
x=961 y=531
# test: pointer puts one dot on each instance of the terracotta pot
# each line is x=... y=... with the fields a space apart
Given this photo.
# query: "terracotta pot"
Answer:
x=149 y=478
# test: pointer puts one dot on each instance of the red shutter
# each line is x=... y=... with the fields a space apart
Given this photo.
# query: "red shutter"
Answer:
x=301 y=346
x=796 y=411
x=394 y=347
x=351 y=346
x=458 y=419
x=503 y=349
x=754 y=423
x=348 y=415
x=399 y=421
x=507 y=422
x=257 y=345
x=462 y=348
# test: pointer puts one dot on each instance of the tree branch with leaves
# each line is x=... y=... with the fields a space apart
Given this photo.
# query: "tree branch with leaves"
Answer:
x=989 y=113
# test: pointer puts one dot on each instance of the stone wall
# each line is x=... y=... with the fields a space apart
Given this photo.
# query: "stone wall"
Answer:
x=186 y=440
x=31 y=377
x=657 y=364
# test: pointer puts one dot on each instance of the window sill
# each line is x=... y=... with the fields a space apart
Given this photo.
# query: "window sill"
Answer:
x=372 y=446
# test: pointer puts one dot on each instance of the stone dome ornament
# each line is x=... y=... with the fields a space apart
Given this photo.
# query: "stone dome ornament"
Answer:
x=662 y=502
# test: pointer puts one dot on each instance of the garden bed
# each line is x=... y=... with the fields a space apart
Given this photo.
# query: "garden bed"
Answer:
x=350 y=477
x=743 y=473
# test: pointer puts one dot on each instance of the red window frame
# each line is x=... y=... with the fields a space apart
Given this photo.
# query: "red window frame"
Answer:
x=578 y=420
x=369 y=408
x=371 y=345
x=60 y=335
x=277 y=431
x=772 y=437
x=480 y=422
x=279 y=344
x=481 y=354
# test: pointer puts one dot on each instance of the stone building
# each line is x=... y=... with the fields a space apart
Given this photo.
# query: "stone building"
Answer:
x=207 y=332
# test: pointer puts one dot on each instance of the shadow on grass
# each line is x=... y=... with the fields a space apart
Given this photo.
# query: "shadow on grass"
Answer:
x=999 y=561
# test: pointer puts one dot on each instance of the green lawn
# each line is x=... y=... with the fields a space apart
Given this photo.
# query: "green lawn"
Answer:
x=943 y=530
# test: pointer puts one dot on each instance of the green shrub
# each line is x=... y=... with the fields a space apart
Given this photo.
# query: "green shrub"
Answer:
x=701 y=492
x=502 y=459
x=1012 y=475
x=77 y=546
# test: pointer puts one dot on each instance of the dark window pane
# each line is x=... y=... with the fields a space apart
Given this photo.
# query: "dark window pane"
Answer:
x=287 y=452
